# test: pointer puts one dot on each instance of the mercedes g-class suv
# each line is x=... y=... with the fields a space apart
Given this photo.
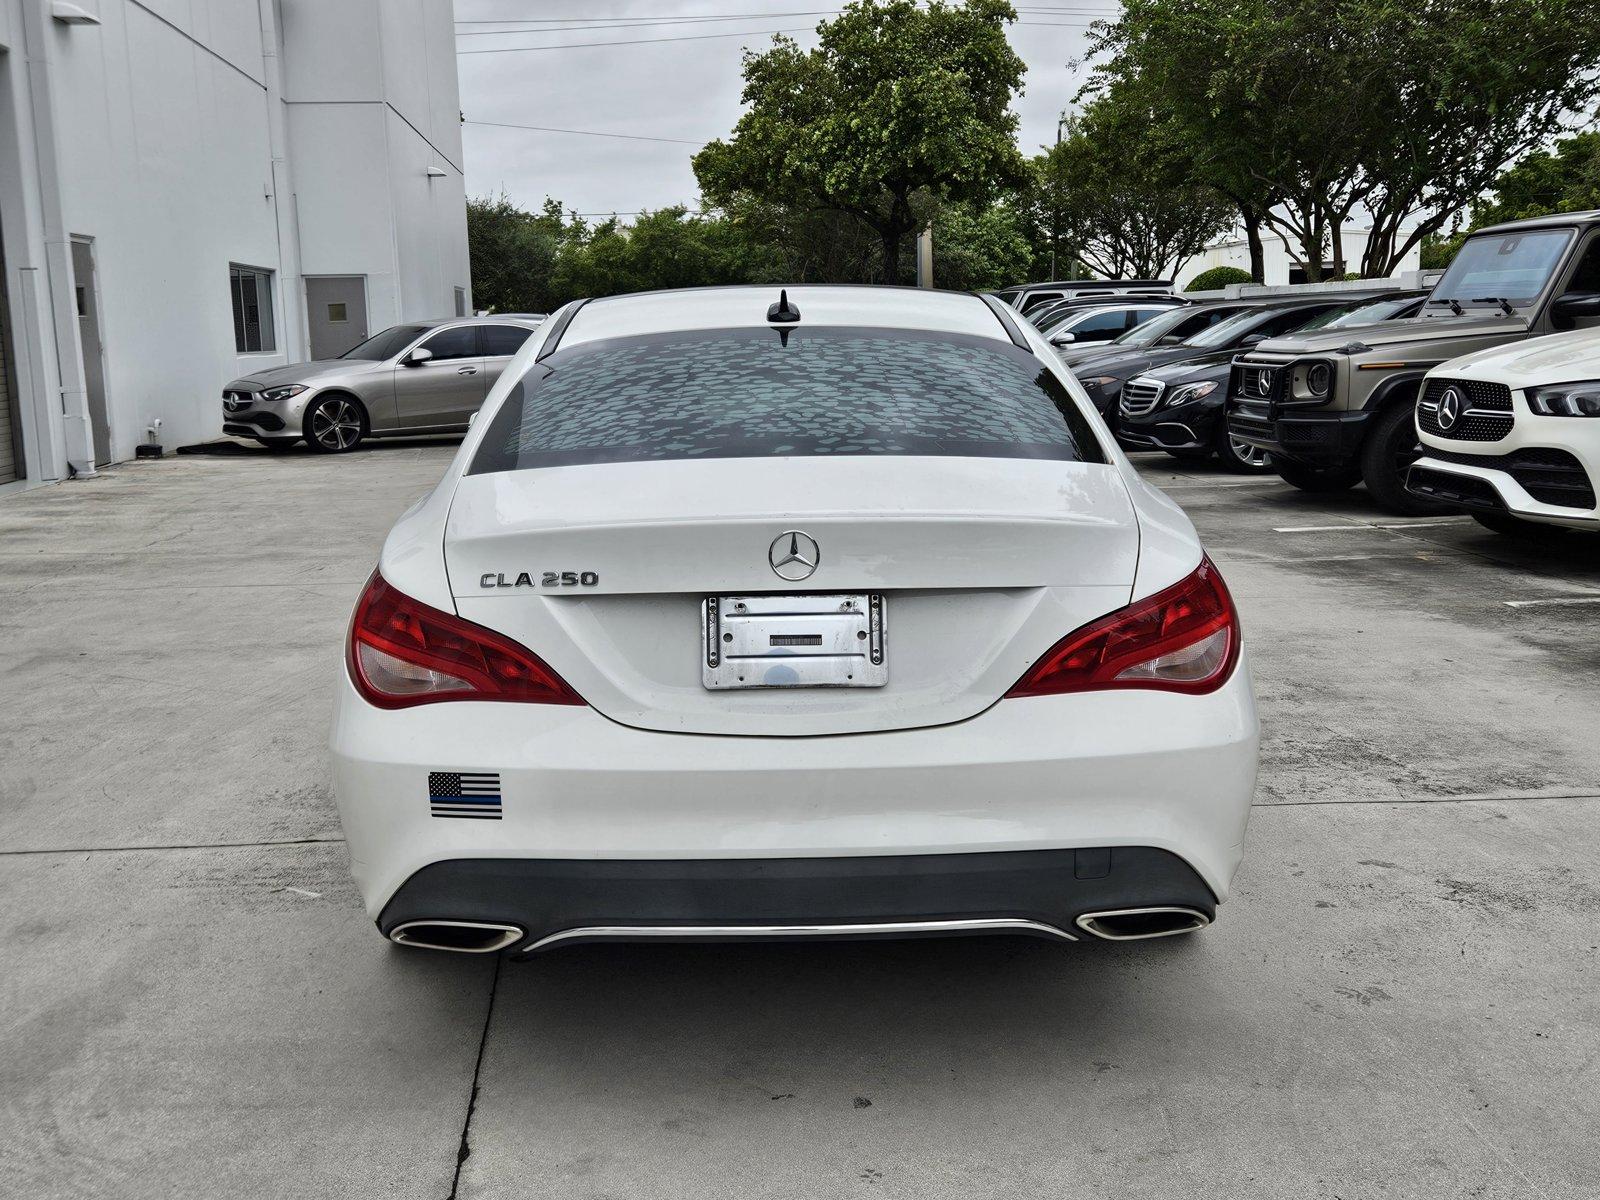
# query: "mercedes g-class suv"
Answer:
x=1335 y=409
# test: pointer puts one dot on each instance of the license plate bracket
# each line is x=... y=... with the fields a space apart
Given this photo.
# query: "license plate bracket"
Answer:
x=835 y=640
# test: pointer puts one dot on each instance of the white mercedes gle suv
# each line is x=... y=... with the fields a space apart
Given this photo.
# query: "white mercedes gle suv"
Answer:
x=827 y=612
x=1512 y=435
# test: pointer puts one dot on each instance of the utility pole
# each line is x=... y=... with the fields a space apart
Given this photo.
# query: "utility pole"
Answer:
x=1055 y=196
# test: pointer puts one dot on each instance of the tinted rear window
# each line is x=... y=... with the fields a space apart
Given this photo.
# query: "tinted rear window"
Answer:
x=766 y=393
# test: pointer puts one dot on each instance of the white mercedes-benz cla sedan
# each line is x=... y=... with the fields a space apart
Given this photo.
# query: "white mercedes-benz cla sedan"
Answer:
x=830 y=612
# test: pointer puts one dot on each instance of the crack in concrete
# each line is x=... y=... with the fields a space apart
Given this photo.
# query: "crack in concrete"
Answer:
x=323 y=841
x=464 y=1149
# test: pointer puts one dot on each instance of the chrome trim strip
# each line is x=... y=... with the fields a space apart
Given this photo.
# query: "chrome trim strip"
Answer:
x=508 y=935
x=855 y=929
x=1087 y=922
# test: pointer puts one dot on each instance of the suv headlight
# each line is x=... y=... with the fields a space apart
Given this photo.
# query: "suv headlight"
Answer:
x=1188 y=392
x=1319 y=379
x=283 y=393
x=1566 y=399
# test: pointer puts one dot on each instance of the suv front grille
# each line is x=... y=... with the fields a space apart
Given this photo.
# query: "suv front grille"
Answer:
x=1140 y=396
x=1254 y=381
x=1549 y=476
x=1486 y=416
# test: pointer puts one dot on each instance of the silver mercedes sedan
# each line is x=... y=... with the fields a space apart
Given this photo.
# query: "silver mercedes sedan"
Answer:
x=419 y=378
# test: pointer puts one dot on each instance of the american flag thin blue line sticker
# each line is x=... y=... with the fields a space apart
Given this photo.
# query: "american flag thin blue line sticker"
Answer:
x=474 y=795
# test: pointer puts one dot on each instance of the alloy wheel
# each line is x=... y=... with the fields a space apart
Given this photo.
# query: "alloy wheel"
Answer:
x=336 y=424
x=1250 y=456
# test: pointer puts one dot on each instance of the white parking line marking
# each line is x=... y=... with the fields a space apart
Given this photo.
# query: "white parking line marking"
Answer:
x=1364 y=525
x=1551 y=601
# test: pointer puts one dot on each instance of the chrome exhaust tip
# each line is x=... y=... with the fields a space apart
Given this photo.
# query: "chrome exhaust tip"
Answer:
x=1137 y=924
x=464 y=937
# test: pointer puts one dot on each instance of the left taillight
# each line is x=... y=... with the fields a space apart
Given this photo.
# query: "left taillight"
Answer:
x=402 y=652
x=1182 y=639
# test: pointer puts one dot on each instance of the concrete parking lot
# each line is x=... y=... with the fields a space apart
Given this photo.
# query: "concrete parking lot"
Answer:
x=1402 y=999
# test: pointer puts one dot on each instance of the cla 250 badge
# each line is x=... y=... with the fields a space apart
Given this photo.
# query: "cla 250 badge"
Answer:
x=492 y=579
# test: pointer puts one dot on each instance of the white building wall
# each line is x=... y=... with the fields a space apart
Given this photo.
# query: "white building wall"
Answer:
x=162 y=131
x=1276 y=261
x=365 y=129
x=158 y=142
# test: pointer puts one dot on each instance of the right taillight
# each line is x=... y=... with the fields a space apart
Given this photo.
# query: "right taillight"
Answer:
x=1182 y=639
x=402 y=652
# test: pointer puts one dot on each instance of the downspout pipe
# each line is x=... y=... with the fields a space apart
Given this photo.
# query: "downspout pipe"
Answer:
x=37 y=28
x=291 y=291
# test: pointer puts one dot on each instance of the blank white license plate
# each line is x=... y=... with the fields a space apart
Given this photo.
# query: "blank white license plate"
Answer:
x=793 y=641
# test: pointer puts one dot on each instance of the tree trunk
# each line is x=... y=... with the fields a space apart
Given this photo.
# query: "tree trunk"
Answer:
x=1258 y=253
x=891 y=236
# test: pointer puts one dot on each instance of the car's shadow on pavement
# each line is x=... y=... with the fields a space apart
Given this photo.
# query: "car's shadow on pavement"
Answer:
x=231 y=448
x=818 y=1011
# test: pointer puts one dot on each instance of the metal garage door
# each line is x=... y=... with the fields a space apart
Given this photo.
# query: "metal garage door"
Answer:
x=10 y=431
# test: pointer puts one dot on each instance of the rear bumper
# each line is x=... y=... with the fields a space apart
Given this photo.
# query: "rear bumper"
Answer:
x=556 y=902
x=1098 y=770
x=1320 y=440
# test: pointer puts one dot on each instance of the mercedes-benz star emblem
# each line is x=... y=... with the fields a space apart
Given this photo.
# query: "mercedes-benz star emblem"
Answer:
x=1450 y=408
x=1264 y=383
x=794 y=555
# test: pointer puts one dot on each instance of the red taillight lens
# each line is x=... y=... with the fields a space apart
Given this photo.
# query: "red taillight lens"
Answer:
x=1183 y=639
x=403 y=652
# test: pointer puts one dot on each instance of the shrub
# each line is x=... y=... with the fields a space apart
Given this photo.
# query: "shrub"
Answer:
x=1218 y=277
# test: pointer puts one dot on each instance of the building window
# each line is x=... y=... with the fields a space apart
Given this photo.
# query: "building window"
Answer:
x=461 y=302
x=252 y=310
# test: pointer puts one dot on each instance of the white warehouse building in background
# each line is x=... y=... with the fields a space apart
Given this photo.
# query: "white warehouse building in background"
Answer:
x=1278 y=267
x=194 y=189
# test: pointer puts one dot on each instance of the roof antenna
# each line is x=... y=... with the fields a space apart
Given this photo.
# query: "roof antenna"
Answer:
x=783 y=312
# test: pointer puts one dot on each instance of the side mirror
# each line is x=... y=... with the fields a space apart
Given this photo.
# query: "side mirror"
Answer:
x=417 y=357
x=1063 y=339
x=1576 y=306
x=1255 y=339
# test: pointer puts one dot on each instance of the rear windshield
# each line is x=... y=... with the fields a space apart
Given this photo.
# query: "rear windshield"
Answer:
x=770 y=393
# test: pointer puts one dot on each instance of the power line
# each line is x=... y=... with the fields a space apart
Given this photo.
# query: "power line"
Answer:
x=632 y=137
x=1078 y=9
x=699 y=37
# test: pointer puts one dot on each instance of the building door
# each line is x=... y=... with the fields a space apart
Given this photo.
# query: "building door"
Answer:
x=86 y=300
x=336 y=309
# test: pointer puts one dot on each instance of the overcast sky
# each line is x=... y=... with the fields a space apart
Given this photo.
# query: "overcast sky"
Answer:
x=680 y=89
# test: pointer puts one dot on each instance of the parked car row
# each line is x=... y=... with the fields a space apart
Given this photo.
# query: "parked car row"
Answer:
x=1339 y=407
x=1438 y=402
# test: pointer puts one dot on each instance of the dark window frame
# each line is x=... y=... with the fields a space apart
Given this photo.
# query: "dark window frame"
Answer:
x=254 y=327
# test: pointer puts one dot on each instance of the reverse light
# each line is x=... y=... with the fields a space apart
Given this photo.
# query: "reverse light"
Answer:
x=1182 y=639
x=402 y=652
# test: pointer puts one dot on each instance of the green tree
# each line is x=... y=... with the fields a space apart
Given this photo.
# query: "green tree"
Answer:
x=1122 y=184
x=513 y=254
x=1563 y=178
x=899 y=108
x=1218 y=277
x=1405 y=109
x=979 y=249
